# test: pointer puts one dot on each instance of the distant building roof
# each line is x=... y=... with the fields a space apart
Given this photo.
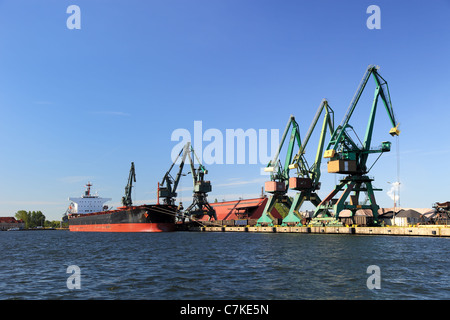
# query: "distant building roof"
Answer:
x=408 y=213
x=9 y=220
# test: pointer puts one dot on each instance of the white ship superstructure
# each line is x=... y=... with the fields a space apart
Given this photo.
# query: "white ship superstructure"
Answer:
x=87 y=203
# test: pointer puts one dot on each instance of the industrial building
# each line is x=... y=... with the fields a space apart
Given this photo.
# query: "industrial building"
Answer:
x=7 y=223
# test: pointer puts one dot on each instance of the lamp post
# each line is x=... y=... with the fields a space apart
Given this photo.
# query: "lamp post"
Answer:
x=393 y=184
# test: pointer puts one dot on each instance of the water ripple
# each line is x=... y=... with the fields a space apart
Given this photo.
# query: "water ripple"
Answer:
x=188 y=265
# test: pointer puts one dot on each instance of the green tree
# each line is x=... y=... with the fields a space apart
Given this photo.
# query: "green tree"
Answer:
x=32 y=219
x=37 y=219
x=55 y=224
x=24 y=216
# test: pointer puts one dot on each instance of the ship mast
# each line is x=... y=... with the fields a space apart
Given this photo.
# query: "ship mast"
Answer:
x=88 y=191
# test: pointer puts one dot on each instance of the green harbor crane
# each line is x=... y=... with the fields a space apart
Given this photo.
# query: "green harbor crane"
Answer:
x=308 y=177
x=279 y=175
x=126 y=199
x=347 y=157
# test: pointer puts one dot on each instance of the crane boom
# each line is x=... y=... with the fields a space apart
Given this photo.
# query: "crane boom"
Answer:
x=126 y=199
x=339 y=137
x=168 y=186
x=327 y=120
x=273 y=165
x=299 y=162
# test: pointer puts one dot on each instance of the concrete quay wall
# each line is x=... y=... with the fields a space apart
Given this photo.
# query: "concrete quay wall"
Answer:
x=432 y=231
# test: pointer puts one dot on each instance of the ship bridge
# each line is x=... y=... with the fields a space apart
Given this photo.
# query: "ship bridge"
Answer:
x=88 y=203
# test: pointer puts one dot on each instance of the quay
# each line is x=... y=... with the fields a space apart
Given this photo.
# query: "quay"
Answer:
x=428 y=230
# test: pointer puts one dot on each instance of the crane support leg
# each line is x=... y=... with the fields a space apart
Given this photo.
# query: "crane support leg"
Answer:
x=373 y=203
x=354 y=184
x=340 y=204
x=293 y=216
x=327 y=204
x=266 y=217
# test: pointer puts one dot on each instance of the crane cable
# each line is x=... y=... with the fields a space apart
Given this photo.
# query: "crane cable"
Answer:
x=398 y=169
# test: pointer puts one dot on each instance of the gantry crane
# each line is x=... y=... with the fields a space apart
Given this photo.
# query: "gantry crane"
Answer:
x=279 y=175
x=346 y=157
x=126 y=199
x=200 y=205
x=308 y=177
x=167 y=188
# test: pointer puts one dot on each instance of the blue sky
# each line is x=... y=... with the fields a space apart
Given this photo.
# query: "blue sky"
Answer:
x=80 y=105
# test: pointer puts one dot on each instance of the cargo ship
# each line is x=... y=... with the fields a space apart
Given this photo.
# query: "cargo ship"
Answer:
x=88 y=213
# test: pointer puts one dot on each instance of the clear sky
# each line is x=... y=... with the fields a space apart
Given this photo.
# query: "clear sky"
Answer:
x=80 y=105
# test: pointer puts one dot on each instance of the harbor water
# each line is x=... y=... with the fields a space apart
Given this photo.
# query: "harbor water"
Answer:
x=221 y=266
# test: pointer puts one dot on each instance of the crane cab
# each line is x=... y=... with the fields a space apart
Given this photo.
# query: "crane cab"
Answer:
x=275 y=186
x=299 y=184
x=202 y=186
x=165 y=193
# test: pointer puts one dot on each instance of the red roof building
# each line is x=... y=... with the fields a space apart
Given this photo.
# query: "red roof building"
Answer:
x=10 y=222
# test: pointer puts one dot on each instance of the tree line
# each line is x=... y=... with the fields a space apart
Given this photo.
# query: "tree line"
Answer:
x=33 y=219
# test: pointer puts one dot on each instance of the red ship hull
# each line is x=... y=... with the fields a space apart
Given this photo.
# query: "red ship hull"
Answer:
x=125 y=227
x=145 y=218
